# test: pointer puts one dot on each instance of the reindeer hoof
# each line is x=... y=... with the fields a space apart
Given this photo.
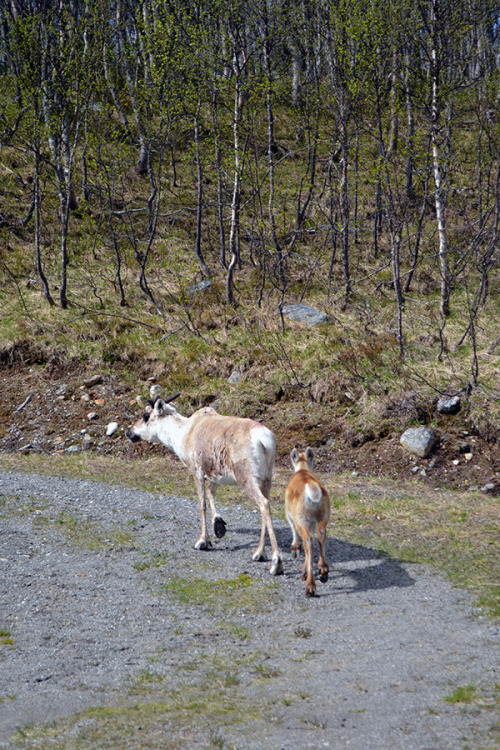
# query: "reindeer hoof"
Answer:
x=203 y=544
x=259 y=556
x=323 y=576
x=219 y=527
x=310 y=591
x=295 y=552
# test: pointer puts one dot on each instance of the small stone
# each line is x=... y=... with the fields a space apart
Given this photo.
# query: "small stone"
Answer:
x=468 y=456
x=93 y=380
x=141 y=401
x=111 y=428
x=447 y=405
x=99 y=401
x=155 y=391
x=91 y=415
x=235 y=377
x=72 y=449
x=488 y=487
x=455 y=462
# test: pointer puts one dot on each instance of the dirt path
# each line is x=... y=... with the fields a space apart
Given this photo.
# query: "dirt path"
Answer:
x=104 y=602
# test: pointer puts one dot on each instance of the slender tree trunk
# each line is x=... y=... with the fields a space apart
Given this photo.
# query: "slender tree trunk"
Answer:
x=410 y=131
x=39 y=265
x=439 y=197
x=234 y=237
x=199 y=202
x=220 y=184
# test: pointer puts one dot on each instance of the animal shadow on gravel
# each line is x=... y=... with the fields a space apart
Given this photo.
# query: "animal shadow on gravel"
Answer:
x=353 y=568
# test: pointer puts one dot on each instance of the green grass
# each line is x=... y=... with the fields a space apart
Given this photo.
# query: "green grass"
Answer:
x=6 y=637
x=240 y=594
x=463 y=694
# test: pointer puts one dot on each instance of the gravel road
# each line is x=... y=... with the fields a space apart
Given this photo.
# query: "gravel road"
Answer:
x=104 y=601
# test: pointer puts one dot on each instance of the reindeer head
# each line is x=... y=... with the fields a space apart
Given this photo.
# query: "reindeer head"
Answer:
x=146 y=428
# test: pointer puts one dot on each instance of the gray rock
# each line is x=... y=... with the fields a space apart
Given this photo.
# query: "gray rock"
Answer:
x=418 y=440
x=111 y=428
x=235 y=377
x=305 y=314
x=155 y=391
x=201 y=286
x=93 y=380
x=447 y=405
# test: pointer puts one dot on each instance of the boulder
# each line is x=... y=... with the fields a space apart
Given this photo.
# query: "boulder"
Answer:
x=419 y=441
x=305 y=314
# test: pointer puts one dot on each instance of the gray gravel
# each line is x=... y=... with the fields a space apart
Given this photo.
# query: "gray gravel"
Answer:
x=366 y=664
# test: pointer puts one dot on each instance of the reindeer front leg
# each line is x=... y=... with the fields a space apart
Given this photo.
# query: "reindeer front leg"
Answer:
x=204 y=540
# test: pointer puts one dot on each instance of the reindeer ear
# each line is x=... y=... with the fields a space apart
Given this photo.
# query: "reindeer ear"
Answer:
x=159 y=406
x=310 y=456
x=294 y=455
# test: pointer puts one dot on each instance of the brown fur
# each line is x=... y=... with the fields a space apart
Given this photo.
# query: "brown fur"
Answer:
x=307 y=507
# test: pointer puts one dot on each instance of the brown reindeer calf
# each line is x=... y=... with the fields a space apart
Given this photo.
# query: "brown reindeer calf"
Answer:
x=307 y=508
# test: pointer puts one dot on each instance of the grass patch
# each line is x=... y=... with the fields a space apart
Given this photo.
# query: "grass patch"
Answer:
x=6 y=638
x=82 y=533
x=158 y=560
x=242 y=593
x=175 y=712
x=462 y=694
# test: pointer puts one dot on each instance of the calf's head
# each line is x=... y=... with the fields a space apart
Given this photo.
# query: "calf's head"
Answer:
x=302 y=460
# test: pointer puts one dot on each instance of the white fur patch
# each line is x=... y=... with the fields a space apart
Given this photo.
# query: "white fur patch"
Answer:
x=312 y=495
x=264 y=448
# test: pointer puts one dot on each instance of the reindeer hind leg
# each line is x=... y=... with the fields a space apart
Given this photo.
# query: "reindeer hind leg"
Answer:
x=218 y=523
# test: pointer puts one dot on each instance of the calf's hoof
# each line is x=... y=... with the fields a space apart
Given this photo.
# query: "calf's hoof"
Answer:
x=219 y=527
x=310 y=591
x=323 y=576
x=277 y=566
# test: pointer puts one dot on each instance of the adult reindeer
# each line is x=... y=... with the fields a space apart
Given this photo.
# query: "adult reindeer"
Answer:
x=222 y=450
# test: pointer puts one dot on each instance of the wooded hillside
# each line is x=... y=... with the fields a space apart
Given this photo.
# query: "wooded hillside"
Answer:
x=342 y=154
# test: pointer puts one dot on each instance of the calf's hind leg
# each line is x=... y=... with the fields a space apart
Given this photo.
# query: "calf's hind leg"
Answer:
x=322 y=563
